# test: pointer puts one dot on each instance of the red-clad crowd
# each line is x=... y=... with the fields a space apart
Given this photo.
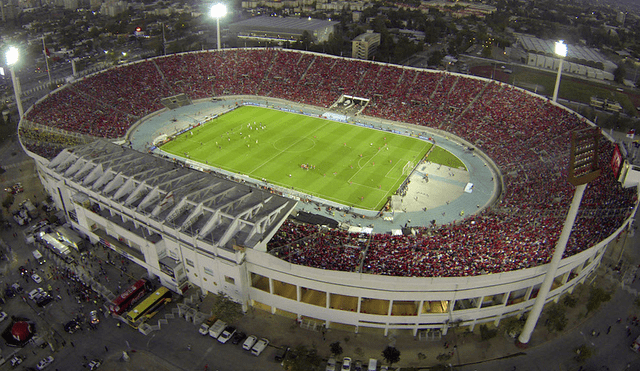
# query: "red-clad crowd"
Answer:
x=526 y=136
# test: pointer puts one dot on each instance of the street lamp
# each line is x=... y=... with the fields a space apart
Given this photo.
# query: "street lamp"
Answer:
x=218 y=11
x=561 y=51
x=12 y=58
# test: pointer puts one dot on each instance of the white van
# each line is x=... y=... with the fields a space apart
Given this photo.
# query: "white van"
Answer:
x=260 y=346
x=373 y=364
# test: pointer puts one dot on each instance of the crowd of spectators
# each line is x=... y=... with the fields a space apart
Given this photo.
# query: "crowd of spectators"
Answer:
x=526 y=136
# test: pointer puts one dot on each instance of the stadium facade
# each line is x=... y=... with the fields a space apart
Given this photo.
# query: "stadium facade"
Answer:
x=186 y=226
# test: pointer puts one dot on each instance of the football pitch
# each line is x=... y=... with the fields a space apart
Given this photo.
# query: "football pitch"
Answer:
x=348 y=164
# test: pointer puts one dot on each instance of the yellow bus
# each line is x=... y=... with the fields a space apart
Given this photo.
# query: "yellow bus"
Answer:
x=148 y=307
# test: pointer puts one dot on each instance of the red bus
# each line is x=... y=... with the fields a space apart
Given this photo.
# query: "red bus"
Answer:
x=132 y=295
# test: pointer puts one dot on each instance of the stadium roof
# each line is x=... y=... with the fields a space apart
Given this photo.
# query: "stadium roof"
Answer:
x=536 y=45
x=211 y=208
x=284 y=24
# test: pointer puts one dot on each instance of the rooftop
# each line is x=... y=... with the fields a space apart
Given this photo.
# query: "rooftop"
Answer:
x=205 y=206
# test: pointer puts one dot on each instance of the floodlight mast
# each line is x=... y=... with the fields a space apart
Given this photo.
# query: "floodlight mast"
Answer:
x=218 y=11
x=583 y=168
x=561 y=51
x=12 y=57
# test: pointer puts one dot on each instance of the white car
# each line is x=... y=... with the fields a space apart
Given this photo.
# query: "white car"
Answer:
x=36 y=293
x=16 y=360
x=93 y=365
x=346 y=364
x=331 y=364
x=259 y=347
x=204 y=329
x=36 y=278
x=44 y=363
x=3 y=316
x=226 y=334
x=248 y=344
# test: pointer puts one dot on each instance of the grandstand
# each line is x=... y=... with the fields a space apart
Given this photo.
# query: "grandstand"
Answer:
x=482 y=268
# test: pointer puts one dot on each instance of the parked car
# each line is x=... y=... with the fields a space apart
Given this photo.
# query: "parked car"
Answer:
x=281 y=354
x=238 y=338
x=71 y=326
x=44 y=363
x=36 y=293
x=228 y=332
x=259 y=347
x=3 y=316
x=357 y=366
x=346 y=364
x=17 y=288
x=15 y=361
x=331 y=364
x=93 y=315
x=94 y=364
x=44 y=300
x=9 y=292
x=384 y=368
x=248 y=343
x=36 y=278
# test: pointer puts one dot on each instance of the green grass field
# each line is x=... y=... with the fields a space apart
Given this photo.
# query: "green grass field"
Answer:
x=348 y=164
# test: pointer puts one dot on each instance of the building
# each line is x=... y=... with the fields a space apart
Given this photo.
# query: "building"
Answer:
x=279 y=29
x=364 y=46
x=182 y=225
x=189 y=227
x=580 y=60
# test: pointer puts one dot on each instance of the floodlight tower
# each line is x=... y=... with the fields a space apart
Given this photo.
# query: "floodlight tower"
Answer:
x=12 y=56
x=583 y=168
x=218 y=11
x=561 y=51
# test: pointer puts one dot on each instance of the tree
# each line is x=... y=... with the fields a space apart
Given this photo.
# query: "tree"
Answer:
x=226 y=309
x=487 y=333
x=556 y=317
x=302 y=359
x=619 y=74
x=583 y=352
x=305 y=40
x=391 y=355
x=597 y=296
x=8 y=201
x=336 y=348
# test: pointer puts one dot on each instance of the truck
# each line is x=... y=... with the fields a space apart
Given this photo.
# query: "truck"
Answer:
x=216 y=329
x=38 y=256
x=204 y=327
x=31 y=210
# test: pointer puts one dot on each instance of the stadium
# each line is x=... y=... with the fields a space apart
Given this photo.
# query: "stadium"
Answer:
x=99 y=144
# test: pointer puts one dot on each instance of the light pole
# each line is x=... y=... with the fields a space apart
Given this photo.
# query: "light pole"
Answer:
x=218 y=11
x=12 y=58
x=561 y=51
x=583 y=168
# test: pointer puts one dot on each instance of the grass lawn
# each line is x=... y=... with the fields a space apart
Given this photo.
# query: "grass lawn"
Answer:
x=438 y=155
x=348 y=164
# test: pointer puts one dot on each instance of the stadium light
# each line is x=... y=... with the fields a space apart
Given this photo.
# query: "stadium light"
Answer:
x=561 y=51
x=583 y=168
x=12 y=56
x=218 y=11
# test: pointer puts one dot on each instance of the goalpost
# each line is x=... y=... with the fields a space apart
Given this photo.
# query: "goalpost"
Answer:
x=408 y=168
